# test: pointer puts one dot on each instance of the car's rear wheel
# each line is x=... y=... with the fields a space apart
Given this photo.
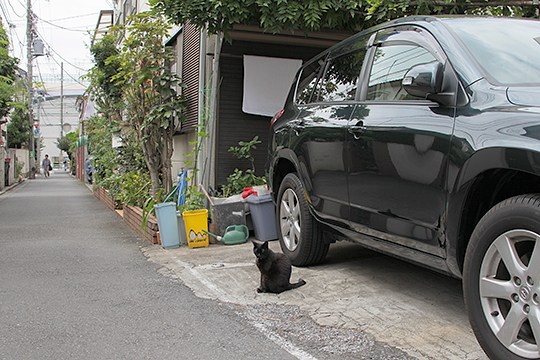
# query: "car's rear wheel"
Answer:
x=299 y=234
x=501 y=279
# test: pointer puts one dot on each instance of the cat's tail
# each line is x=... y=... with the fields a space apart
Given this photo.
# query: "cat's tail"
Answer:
x=297 y=284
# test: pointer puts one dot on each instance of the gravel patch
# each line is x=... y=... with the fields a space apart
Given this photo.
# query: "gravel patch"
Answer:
x=322 y=342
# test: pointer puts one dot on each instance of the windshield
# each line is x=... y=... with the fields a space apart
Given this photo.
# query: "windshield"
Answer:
x=507 y=49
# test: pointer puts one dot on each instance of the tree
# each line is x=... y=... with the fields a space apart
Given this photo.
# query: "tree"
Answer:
x=311 y=15
x=19 y=129
x=103 y=89
x=8 y=66
x=149 y=92
x=273 y=15
x=122 y=171
x=68 y=143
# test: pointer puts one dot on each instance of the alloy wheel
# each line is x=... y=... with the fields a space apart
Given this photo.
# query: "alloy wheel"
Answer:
x=289 y=219
x=510 y=291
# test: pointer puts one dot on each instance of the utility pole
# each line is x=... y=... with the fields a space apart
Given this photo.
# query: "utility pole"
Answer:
x=29 y=80
x=61 y=100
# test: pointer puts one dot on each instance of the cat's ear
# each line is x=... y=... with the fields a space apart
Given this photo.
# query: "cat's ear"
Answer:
x=265 y=245
x=256 y=244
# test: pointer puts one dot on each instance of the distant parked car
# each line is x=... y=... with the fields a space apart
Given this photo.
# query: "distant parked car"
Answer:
x=420 y=139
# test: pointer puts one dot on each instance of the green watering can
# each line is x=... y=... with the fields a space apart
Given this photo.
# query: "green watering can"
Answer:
x=234 y=234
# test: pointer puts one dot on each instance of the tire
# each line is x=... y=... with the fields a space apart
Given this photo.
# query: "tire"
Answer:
x=299 y=233
x=501 y=279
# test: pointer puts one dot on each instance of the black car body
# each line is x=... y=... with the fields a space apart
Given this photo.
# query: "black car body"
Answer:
x=420 y=138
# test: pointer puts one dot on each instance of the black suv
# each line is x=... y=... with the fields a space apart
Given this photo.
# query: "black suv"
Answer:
x=420 y=138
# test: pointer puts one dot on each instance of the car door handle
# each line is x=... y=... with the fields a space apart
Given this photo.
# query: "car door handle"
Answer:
x=357 y=129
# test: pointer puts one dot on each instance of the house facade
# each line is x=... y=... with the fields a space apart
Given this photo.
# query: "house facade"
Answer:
x=229 y=87
x=236 y=86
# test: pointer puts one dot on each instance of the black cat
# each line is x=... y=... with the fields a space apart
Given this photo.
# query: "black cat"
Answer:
x=275 y=269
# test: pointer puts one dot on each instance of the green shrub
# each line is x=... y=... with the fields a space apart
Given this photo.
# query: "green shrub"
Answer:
x=134 y=188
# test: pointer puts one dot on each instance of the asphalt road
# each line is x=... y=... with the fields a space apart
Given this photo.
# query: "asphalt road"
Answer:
x=75 y=285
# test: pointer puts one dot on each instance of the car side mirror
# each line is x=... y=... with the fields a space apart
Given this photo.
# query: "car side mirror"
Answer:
x=424 y=79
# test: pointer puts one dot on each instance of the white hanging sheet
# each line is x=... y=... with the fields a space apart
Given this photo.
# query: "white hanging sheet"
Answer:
x=267 y=81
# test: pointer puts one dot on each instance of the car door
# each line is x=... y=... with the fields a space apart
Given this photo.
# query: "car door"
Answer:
x=397 y=152
x=319 y=134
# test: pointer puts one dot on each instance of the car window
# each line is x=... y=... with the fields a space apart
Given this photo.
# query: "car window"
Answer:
x=340 y=78
x=507 y=49
x=308 y=81
x=389 y=67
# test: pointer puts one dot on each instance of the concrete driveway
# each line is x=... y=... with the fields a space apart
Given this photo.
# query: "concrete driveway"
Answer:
x=414 y=309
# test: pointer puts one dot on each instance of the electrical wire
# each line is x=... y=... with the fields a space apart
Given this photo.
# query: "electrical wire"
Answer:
x=18 y=43
x=10 y=25
x=69 y=75
x=55 y=55
x=8 y=21
x=62 y=27
x=4 y=11
x=60 y=56
x=14 y=11
x=22 y=4
x=75 y=17
x=40 y=76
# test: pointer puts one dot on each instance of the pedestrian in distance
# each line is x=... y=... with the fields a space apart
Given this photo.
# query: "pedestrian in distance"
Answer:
x=46 y=165
x=89 y=170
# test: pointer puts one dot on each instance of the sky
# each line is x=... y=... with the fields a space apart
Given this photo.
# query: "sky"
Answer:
x=65 y=27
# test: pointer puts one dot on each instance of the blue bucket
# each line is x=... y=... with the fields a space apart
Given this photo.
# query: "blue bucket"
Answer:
x=168 y=224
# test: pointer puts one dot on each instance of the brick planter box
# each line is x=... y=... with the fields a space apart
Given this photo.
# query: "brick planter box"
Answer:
x=106 y=198
x=133 y=217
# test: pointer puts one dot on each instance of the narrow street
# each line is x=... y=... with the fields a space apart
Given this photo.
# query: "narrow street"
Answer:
x=75 y=285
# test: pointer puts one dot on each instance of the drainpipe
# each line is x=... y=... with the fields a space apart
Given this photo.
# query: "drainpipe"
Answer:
x=209 y=176
x=201 y=157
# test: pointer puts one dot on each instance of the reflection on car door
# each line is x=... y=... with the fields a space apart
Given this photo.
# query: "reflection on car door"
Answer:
x=320 y=145
x=398 y=153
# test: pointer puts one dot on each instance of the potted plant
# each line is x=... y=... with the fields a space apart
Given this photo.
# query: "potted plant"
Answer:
x=229 y=207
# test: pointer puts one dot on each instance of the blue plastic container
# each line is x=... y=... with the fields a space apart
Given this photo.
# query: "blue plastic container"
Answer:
x=168 y=224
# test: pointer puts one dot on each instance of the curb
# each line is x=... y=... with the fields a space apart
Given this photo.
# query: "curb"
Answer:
x=8 y=188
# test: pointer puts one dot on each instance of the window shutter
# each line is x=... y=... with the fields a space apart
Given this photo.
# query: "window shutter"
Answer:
x=190 y=76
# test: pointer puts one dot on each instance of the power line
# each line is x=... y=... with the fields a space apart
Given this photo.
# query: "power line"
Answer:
x=61 y=57
x=22 y=4
x=8 y=21
x=72 y=78
x=62 y=27
x=14 y=11
x=18 y=44
x=4 y=11
x=39 y=72
x=75 y=17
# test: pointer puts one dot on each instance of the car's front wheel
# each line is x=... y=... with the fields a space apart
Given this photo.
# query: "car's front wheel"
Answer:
x=299 y=234
x=501 y=279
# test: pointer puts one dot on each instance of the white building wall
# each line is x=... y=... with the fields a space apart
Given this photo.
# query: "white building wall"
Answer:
x=22 y=158
x=183 y=145
x=50 y=126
